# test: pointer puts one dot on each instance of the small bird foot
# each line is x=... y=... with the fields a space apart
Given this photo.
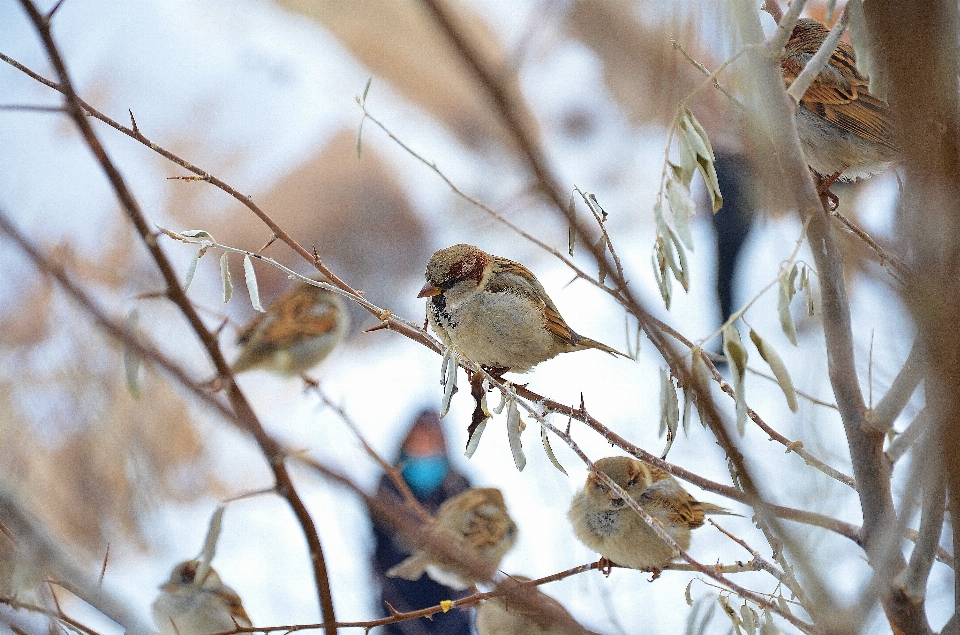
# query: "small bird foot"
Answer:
x=823 y=189
x=604 y=566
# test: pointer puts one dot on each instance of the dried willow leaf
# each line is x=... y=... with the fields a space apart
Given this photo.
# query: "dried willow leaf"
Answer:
x=192 y=269
x=513 y=434
x=250 y=277
x=660 y=274
x=683 y=208
x=225 y=277
x=669 y=410
x=768 y=627
x=131 y=358
x=737 y=358
x=694 y=137
x=475 y=439
x=449 y=379
x=202 y=234
x=680 y=269
x=701 y=375
x=545 y=438
x=867 y=61
x=769 y=355
x=708 y=168
x=210 y=544
x=749 y=619
x=807 y=288
x=787 y=291
x=730 y=611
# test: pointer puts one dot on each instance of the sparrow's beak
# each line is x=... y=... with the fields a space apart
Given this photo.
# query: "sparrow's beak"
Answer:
x=168 y=586
x=428 y=291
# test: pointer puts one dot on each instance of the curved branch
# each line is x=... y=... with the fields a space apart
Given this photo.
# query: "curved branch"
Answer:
x=175 y=292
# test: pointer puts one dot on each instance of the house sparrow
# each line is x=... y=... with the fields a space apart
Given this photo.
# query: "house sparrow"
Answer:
x=845 y=131
x=498 y=616
x=296 y=333
x=187 y=606
x=603 y=521
x=478 y=523
x=495 y=312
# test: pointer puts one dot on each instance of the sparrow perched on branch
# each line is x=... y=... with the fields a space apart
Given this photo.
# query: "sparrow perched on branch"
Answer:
x=496 y=312
x=603 y=521
x=498 y=616
x=845 y=131
x=188 y=606
x=296 y=333
x=474 y=523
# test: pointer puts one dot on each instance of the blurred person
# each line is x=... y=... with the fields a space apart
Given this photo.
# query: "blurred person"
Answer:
x=425 y=466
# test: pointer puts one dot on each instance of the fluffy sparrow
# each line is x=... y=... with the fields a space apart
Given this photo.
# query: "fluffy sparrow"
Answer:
x=477 y=522
x=498 y=616
x=187 y=606
x=602 y=520
x=295 y=334
x=846 y=132
x=495 y=312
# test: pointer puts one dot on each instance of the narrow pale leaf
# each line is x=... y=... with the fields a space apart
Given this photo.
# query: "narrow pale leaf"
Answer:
x=358 y=141
x=682 y=207
x=209 y=545
x=199 y=233
x=250 y=277
x=680 y=269
x=687 y=409
x=545 y=438
x=700 y=372
x=450 y=360
x=366 y=89
x=132 y=359
x=768 y=627
x=737 y=358
x=749 y=619
x=686 y=593
x=225 y=277
x=660 y=274
x=475 y=440
x=669 y=410
x=192 y=269
x=807 y=287
x=513 y=434
x=571 y=239
x=867 y=61
x=731 y=613
x=787 y=291
x=705 y=159
x=769 y=355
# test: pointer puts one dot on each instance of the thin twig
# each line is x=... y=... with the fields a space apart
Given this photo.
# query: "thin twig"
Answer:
x=237 y=399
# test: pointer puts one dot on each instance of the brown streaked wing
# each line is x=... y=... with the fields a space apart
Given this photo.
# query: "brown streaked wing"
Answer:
x=531 y=288
x=293 y=319
x=682 y=508
x=844 y=101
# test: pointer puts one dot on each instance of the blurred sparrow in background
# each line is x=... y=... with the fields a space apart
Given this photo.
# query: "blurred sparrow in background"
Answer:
x=296 y=333
x=498 y=616
x=187 y=606
x=475 y=523
x=845 y=131
x=602 y=520
x=495 y=312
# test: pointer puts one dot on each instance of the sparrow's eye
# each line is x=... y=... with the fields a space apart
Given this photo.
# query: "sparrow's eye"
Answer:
x=631 y=482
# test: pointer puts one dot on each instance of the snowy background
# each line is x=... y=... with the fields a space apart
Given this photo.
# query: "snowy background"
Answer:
x=250 y=91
